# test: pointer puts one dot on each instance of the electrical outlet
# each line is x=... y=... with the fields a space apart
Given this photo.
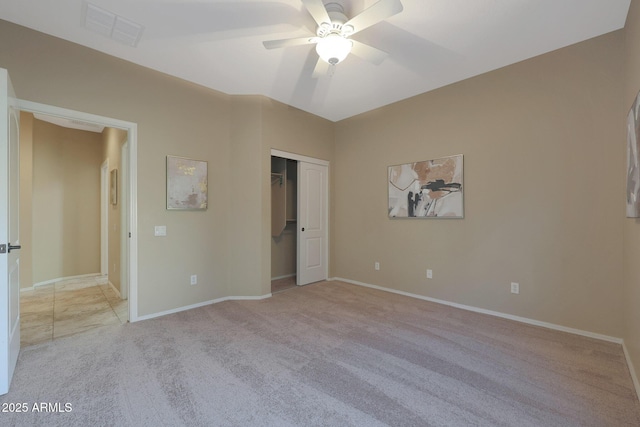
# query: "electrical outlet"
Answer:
x=194 y=279
x=515 y=288
x=429 y=274
x=376 y=265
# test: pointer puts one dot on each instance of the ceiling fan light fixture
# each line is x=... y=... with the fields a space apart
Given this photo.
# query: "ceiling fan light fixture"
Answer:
x=333 y=48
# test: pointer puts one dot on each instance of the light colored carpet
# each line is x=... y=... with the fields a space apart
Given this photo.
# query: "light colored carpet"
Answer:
x=328 y=354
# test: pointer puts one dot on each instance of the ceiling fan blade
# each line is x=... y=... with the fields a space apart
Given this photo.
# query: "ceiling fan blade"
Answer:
x=368 y=53
x=321 y=70
x=374 y=14
x=275 y=44
x=317 y=10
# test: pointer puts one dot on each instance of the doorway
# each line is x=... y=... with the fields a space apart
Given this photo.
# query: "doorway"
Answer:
x=74 y=221
x=299 y=220
x=127 y=232
x=63 y=291
x=284 y=256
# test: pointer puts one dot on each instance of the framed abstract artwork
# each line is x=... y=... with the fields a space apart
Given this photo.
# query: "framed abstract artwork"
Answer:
x=427 y=189
x=633 y=161
x=187 y=182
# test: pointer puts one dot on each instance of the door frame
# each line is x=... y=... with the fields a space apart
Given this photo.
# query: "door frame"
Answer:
x=124 y=219
x=301 y=158
x=104 y=217
x=131 y=190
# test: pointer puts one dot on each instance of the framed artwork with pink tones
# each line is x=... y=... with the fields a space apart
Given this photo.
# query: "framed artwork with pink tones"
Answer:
x=427 y=189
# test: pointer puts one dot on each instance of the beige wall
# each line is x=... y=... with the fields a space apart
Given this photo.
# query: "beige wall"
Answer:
x=112 y=140
x=26 y=190
x=173 y=117
x=632 y=226
x=227 y=246
x=245 y=202
x=544 y=185
x=66 y=202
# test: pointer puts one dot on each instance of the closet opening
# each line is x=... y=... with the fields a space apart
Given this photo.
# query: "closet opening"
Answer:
x=284 y=206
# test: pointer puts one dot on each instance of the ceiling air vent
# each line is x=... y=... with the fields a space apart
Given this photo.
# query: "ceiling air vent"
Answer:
x=110 y=25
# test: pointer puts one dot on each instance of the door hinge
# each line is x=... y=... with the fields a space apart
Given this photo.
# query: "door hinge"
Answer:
x=3 y=249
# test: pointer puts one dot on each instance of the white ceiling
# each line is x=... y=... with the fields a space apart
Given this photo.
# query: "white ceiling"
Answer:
x=432 y=43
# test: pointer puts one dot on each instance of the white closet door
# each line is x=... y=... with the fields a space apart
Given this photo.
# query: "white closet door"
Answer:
x=312 y=222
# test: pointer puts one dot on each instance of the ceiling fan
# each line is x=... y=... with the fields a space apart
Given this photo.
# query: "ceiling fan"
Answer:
x=333 y=36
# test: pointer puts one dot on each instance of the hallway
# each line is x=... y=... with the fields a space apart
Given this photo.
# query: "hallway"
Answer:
x=69 y=307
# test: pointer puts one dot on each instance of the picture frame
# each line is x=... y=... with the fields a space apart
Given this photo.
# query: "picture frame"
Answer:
x=187 y=184
x=113 y=187
x=427 y=189
x=633 y=160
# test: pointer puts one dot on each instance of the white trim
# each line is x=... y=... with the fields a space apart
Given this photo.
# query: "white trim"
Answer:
x=104 y=217
x=111 y=285
x=36 y=107
x=490 y=312
x=124 y=220
x=250 y=298
x=132 y=129
x=298 y=157
x=283 y=277
x=202 y=304
x=133 y=223
x=632 y=371
x=60 y=279
x=179 y=309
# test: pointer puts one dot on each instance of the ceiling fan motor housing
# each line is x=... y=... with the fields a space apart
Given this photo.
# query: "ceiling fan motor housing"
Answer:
x=334 y=46
x=336 y=26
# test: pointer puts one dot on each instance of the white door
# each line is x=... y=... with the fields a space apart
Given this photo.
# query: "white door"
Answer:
x=312 y=223
x=9 y=240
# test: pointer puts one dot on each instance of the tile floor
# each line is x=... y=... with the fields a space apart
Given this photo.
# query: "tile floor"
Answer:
x=67 y=308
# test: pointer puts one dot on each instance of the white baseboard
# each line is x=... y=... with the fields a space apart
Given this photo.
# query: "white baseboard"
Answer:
x=632 y=371
x=283 y=277
x=59 y=279
x=256 y=298
x=489 y=312
x=112 y=286
x=200 y=304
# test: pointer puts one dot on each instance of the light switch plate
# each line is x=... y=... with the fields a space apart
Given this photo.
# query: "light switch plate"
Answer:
x=160 y=230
